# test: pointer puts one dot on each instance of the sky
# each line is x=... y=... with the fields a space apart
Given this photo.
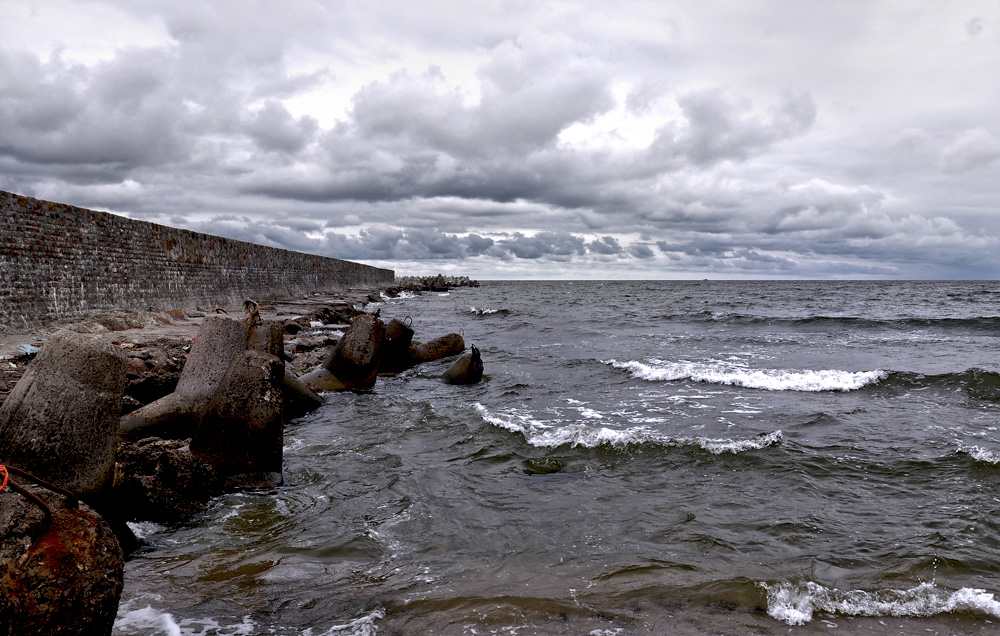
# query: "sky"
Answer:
x=526 y=139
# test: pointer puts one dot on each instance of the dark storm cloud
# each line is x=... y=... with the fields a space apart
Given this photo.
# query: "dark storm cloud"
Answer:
x=550 y=245
x=641 y=251
x=106 y=121
x=274 y=128
x=606 y=245
x=412 y=136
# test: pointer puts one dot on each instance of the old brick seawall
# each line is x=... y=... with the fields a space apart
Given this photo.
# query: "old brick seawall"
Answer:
x=57 y=260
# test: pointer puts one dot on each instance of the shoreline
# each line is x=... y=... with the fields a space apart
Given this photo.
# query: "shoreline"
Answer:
x=141 y=327
x=152 y=326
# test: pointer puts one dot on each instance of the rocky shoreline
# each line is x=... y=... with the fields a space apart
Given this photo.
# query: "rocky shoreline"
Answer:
x=120 y=416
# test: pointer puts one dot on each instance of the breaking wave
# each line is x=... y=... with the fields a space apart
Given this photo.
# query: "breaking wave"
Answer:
x=795 y=603
x=547 y=435
x=486 y=311
x=148 y=621
x=767 y=379
x=981 y=454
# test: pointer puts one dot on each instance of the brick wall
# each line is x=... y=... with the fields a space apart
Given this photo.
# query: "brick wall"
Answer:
x=57 y=260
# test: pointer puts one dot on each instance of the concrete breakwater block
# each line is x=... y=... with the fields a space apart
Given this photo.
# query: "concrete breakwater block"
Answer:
x=220 y=340
x=243 y=424
x=449 y=345
x=396 y=347
x=468 y=369
x=220 y=343
x=61 y=420
x=353 y=363
x=64 y=577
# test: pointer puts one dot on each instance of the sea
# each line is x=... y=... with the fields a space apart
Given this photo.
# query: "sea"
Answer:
x=641 y=457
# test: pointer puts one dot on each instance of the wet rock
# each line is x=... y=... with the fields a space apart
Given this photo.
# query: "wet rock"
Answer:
x=353 y=363
x=63 y=580
x=304 y=361
x=162 y=481
x=61 y=420
x=130 y=404
x=315 y=341
x=468 y=369
x=335 y=315
x=242 y=428
x=153 y=369
x=396 y=347
x=449 y=345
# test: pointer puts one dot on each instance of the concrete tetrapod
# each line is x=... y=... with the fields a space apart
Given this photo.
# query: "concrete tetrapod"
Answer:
x=61 y=420
x=449 y=345
x=353 y=362
x=468 y=369
x=241 y=431
x=396 y=347
x=221 y=341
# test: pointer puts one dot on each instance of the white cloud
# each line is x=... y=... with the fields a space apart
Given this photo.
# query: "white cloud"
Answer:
x=640 y=138
x=973 y=149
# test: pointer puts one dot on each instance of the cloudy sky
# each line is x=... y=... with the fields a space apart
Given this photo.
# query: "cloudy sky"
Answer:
x=524 y=138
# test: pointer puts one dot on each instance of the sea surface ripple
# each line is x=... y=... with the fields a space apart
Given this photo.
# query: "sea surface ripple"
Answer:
x=643 y=457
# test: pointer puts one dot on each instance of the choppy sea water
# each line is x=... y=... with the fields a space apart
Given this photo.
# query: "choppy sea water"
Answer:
x=643 y=458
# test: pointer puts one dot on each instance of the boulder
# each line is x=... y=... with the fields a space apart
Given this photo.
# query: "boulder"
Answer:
x=154 y=369
x=61 y=420
x=162 y=481
x=353 y=363
x=242 y=428
x=468 y=369
x=65 y=579
x=449 y=345
x=396 y=347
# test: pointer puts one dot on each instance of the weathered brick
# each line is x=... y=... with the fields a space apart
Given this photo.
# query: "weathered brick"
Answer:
x=57 y=260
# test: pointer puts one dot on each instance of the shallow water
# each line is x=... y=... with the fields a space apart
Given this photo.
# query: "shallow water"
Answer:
x=643 y=457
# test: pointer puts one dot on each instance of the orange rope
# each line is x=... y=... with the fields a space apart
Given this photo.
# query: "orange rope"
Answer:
x=5 y=476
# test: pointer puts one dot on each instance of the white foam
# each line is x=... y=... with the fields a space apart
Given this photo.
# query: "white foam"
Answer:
x=549 y=435
x=795 y=604
x=719 y=446
x=363 y=626
x=144 y=529
x=729 y=373
x=981 y=454
x=146 y=621
x=484 y=311
x=211 y=627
